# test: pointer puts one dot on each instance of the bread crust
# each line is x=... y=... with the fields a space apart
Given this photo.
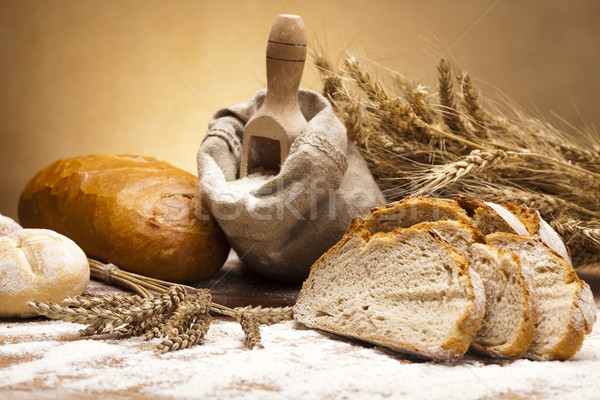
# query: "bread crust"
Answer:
x=136 y=212
x=490 y=217
x=8 y=225
x=537 y=227
x=526 y=215
x=413 y=210
x=476 y=235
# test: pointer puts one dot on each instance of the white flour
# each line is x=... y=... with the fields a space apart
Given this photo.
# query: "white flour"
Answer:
x=243 y=188
x=250 y=182
x=296 y=363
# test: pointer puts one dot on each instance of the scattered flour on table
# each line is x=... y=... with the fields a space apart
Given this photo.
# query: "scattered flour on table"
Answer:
x=296 y=363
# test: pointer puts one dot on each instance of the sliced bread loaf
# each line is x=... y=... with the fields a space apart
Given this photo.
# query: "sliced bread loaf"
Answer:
x=407 y=289
x=566 y=308
x=508 y=326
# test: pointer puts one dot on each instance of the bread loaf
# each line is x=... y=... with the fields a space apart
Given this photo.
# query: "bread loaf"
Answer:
x=508 y=326
x=38 y=264
x=535 y=305
x=407 y=290
x=135 y=212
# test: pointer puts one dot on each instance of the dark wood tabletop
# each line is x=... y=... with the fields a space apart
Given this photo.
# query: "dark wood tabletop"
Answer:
x=234 y=285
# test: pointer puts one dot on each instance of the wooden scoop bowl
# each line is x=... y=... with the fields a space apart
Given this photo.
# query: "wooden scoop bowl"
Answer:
x=272 y=130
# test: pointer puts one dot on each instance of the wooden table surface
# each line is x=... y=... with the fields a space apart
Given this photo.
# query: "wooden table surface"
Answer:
x=234 y=285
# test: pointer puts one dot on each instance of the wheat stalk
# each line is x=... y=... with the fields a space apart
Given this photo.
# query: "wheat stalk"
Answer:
x=250 y=326
x=180 y=315
x=477 y=162
x=587 y=229
x=447 y=98
x=413 y=145
x=479 y=118
x=268 y=316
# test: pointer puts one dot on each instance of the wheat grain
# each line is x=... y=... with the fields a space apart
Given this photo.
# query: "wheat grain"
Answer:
x=417 y=99
x=590 y=230
x=249 y=323
x=478 y=117
x=447 y=97
x=439 y=177
x=187 y=310
x=267 y=315
x=188 y=338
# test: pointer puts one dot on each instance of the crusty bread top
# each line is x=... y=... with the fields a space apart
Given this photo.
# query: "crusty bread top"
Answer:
x=139 y=182
x=526 y=215
x=39 y=264
x=8 y=225
x=490 y=217
x=537 y=227
x=412 y=210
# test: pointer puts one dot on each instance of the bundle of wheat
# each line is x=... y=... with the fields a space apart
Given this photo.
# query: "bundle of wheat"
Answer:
x=454 y=142
x=180 y=315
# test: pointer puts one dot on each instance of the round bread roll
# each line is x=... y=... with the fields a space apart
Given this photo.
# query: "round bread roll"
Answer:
x=8 y=225
x=39 y=264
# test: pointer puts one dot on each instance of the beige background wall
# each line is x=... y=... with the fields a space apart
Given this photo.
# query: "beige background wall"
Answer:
x=75 y=79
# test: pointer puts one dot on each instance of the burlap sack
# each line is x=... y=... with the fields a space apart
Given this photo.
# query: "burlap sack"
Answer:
x=282 y=226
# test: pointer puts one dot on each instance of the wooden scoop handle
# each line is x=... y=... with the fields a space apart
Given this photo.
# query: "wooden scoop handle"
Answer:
x=286 y=54
x=272 y=130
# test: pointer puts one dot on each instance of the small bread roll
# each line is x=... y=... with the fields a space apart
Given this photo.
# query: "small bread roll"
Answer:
x=7 y=225
x=39 y=264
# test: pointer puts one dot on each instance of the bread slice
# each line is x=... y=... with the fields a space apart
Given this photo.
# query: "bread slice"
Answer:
x=537 y=227
x=412 y=210
x=508 y=325
x=408 y=290
x=566 y=305
x=490 y=217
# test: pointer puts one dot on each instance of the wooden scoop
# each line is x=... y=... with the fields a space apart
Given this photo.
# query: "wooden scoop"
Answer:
x=272 y=130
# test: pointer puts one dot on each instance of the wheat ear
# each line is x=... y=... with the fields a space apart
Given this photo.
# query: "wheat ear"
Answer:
x=590 y=230
x=477 y=162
